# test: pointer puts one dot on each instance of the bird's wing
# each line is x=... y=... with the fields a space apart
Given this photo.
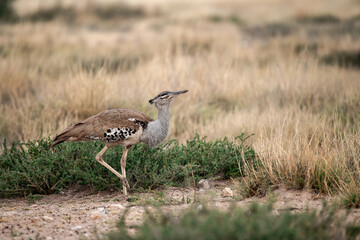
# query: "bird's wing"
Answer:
x=96 y=126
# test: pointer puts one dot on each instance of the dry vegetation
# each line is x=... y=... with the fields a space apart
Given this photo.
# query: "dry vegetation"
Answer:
x=291 y=78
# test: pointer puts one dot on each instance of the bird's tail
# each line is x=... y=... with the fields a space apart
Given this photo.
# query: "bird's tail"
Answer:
x=69 y=132
x=59 y=139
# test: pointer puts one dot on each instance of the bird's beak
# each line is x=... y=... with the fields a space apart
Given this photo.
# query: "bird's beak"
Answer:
x=180 y=92
x=172 y=95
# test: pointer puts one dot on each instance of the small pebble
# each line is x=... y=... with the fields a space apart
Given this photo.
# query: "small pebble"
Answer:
x=77 y=227
x=46 y=218
x=116 y=206
x=204 y=184
x=227 y=192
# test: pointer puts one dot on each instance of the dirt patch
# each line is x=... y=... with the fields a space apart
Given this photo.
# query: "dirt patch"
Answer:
x=74 y=214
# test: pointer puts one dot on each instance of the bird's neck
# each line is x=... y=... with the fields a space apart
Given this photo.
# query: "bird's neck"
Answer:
x=157 y=131
x=163 y=116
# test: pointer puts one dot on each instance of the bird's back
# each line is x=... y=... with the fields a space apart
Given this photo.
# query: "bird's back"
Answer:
x=115 y=126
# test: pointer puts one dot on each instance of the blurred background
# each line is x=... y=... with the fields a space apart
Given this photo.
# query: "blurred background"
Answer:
x=286 y=71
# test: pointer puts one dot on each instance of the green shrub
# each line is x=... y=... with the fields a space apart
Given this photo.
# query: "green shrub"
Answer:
x=231 y=18
x=6 y=11
x=30 y=168
x=123 y=11
x=48 y=14
x=320 y=19
x=345 y=59
x=258 y=222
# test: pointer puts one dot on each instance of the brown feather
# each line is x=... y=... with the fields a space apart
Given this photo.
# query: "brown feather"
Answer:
x=95 y=126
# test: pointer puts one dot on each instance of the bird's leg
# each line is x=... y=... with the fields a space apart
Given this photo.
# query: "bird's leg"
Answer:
x=123 y=166
x=102 y=162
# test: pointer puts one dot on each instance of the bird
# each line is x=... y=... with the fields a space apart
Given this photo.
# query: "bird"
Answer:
x=123 y=127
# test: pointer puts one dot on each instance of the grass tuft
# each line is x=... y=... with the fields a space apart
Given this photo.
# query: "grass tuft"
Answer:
x=255 y=184
x=351 y=196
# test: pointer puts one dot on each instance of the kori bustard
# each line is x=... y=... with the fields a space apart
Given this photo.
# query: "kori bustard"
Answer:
x=123 y=127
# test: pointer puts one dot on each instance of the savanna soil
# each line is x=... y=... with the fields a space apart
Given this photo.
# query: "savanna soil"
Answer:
x=80 y=213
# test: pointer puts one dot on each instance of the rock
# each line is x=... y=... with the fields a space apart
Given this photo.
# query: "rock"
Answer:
x=227 y=192
x=46 y=218
x=93 y=217
x=77 y=227
x=117 y=206
x=10 y=213
x=204 y=184
x=200 y=207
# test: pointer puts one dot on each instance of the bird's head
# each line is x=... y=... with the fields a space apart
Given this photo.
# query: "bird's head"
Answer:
x=165 y=97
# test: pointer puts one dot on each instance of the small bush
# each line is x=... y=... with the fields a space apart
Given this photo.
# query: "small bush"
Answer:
x=343 y=59
x=30 y=168
x=231 y=18
x=311 y=48
x=119 y=11
x=191 y=48
x=66 y=13
x=258 y=222
x=6 y=11
x=320 y=19
x=271 y=30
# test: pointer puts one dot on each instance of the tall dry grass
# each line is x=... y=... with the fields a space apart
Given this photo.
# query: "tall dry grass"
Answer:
x=244 y=75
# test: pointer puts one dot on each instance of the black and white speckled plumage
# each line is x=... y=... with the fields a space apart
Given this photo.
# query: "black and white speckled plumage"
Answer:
x=118 y=134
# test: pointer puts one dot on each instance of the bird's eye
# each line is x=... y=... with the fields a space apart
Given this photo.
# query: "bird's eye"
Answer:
x=164 y=97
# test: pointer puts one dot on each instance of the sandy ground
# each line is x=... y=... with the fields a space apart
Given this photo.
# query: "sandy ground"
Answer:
x=78 y=214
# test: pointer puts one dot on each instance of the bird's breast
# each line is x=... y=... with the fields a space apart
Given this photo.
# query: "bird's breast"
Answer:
x=154 y=134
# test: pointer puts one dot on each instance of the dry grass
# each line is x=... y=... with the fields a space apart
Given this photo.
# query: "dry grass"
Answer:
x=244 y=73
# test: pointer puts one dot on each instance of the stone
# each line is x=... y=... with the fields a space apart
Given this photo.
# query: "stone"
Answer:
x=46 y=218
x=227 y=192
x=116 y=206
x=204 y=184
x=77 y=227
